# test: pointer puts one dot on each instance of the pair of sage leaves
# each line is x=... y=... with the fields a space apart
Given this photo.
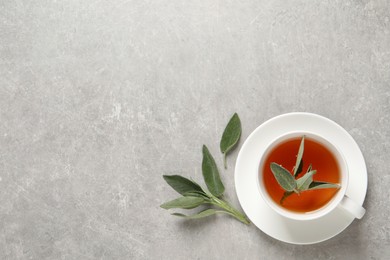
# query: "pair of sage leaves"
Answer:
x=193 y=195
x=292 y=185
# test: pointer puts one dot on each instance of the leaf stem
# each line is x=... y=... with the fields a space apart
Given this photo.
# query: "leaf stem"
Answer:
x=229 y=209
x=224 y=161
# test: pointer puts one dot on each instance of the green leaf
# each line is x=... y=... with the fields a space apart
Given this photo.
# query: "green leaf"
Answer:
x=285 y=195
x=284 y=177
x=230 y=136
x=315 y=185
x=196 y=194
x=304 y=182
x=188 y=202
x=182 y=185
x=299 y=158
x=300 y=168
x=308 y=168
x=211 y=174
x=202 y=214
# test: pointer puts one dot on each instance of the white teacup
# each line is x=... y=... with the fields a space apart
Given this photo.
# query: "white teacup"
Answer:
x=339 y=199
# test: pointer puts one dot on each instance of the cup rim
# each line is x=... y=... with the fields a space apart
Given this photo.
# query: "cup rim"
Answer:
x=328 y=207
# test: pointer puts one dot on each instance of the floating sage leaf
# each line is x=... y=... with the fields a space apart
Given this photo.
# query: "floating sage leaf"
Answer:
x=211 y=173
x=299 y=164
x=315 y=185
x=284 y=177
x=188 y=202
x=202 y=214
x=309 y=168
x=230 y=136
x=182 y=185
x=300 y=168
x=285 y=195
x=304 y=182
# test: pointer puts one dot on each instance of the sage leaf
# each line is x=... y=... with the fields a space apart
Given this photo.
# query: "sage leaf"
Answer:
x=196 y=194
x=304 y=182
x=315 y=185
x=202 y=214
x=211 y=174
x=285 y=195
x=300 y=168
x=188 y=202
x=299 y=158
x=284 y=177
x=230 y=136
x=309 y=168
x=182 y=185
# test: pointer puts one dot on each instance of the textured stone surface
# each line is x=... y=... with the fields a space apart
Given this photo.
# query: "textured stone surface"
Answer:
x=99 y=98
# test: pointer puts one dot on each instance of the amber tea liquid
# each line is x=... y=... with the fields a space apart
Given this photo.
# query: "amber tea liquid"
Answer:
x=321 y=159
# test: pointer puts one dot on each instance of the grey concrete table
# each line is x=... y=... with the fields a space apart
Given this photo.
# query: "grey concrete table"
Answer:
x=98 y=99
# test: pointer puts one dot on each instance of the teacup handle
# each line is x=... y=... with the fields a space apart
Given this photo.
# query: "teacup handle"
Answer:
x=352 y=207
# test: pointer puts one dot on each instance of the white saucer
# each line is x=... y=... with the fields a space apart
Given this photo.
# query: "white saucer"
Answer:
x=270 y=222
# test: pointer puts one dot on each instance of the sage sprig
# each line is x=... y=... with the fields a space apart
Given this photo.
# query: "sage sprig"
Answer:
x=230 y=136
x=193 y=195
x=292 y=185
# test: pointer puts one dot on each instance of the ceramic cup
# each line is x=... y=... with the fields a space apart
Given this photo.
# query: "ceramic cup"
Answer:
x=338 y=200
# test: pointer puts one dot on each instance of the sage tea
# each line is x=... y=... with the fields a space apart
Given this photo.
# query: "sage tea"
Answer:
x=316 y=155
